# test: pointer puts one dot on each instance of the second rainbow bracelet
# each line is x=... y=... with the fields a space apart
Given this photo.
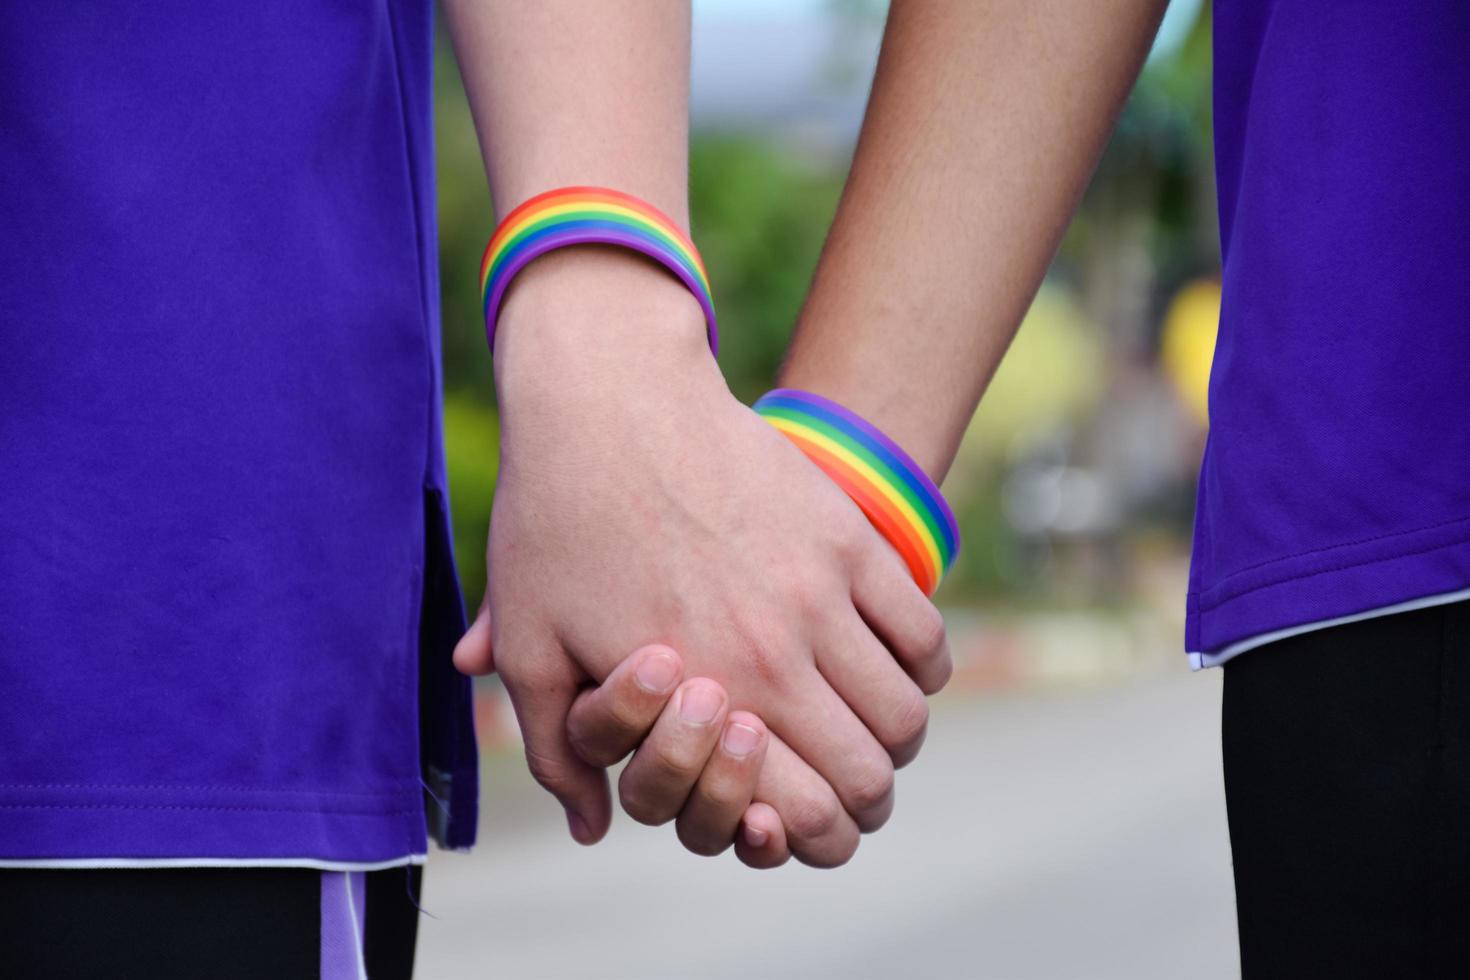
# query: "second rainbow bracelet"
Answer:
x=887 y=485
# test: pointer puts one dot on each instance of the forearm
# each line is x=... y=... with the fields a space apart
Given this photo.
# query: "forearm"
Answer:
x=570 y=93
x=567 y=92
x=984 y=125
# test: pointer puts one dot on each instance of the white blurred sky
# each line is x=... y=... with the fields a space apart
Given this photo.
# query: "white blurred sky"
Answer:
x=801 y=68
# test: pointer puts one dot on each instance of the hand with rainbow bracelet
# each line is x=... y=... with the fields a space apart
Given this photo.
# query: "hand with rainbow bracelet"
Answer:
x=644 y=509
x=639 y=508
x=899 y=499
x=672 y=518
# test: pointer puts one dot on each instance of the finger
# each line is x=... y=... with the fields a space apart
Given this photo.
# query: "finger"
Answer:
x=820 y=728
x=818 y=830
x=711 y=816
x=608 y=721
x=473 y=654
x=903 y=618
x=657 y=781
x=761 y=843
x=865 y=674
x=542 y=696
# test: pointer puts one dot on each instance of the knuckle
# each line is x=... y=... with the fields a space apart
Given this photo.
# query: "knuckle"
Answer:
x=939 y=675
x=512 y=669
x=810 y=600
x=856 y=538
x=722 y=795
x=527 y=674
x=765 y=656
x=814 y=817
x=912 y=721
x=552 y=773
x=928 y=630
x=760 y=860
x=700 y=840
x=623 y=720
x=674 y=762
x=834 y=853
x=592 y=747
x=641 y=805
x=872 y=787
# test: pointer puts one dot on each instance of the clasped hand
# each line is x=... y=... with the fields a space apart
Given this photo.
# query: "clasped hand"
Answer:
x=670 y=577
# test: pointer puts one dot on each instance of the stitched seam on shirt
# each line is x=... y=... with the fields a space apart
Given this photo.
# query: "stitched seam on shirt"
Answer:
x=420 y=244
x=1217 y=603
x=423 y=248
x=388 y=795
x=1335 y=547
x=189 y=807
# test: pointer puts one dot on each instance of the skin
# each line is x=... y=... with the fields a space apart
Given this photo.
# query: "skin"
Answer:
x=1024 y=93
x=639 y=503
x=985 y=124
x=692 y=761
x=908 y=334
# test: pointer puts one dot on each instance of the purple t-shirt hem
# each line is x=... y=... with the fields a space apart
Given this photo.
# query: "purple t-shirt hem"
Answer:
x=66 y=823
x=1332 y=583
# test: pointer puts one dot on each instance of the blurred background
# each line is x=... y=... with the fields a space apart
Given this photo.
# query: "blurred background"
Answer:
x=1066 y=818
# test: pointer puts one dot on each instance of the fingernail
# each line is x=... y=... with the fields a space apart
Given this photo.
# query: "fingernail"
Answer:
x=657 y=673
x=581 y=833
x=700 y=704
x=740 y=740
x=756 y=837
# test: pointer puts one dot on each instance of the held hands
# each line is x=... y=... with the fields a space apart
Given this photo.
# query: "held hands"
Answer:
x=639 y=504
x=698 y=762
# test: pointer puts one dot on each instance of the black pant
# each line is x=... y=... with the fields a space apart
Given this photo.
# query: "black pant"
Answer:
x=195 y=923
x=1347 y=776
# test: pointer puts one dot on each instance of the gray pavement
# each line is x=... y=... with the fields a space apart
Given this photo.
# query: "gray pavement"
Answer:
x=1076 y=834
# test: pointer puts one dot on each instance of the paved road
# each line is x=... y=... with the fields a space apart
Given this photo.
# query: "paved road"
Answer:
x=1061 y=835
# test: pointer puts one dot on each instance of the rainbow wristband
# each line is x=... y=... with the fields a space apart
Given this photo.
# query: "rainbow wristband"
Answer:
x=900 y=500
x=583 y=216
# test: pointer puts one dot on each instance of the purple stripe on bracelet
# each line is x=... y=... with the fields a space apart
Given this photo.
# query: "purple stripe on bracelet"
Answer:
x=574 y=236
x=941 y=506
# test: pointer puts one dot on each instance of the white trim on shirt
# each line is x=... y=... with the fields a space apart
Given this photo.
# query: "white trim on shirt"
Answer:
x=1199 y=661
x=209 y=862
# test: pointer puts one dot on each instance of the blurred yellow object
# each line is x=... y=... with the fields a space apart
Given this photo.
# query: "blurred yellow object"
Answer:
x=1054 y=372
x=1187 y=347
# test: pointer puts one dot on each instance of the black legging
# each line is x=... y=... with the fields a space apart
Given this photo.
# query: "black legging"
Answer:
x=194 y=923
x=1347 y=776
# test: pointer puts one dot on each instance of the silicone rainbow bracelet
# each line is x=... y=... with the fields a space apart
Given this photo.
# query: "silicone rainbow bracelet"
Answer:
x=583 y=216
x=897 y=497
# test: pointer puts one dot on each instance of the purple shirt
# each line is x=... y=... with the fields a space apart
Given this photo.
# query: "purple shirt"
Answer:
x=1337 y=475
x=227 y=601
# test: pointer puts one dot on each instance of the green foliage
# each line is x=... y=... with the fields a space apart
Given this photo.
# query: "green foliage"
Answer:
x=760 y=215
x=472 y=438
x=465 y=223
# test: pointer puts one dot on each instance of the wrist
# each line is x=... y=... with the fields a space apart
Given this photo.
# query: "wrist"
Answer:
x=591 y=316
x=886 y=483
x=904 y=417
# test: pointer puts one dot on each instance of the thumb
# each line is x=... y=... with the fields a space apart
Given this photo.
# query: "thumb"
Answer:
x=473 y=654
x=542 y=706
